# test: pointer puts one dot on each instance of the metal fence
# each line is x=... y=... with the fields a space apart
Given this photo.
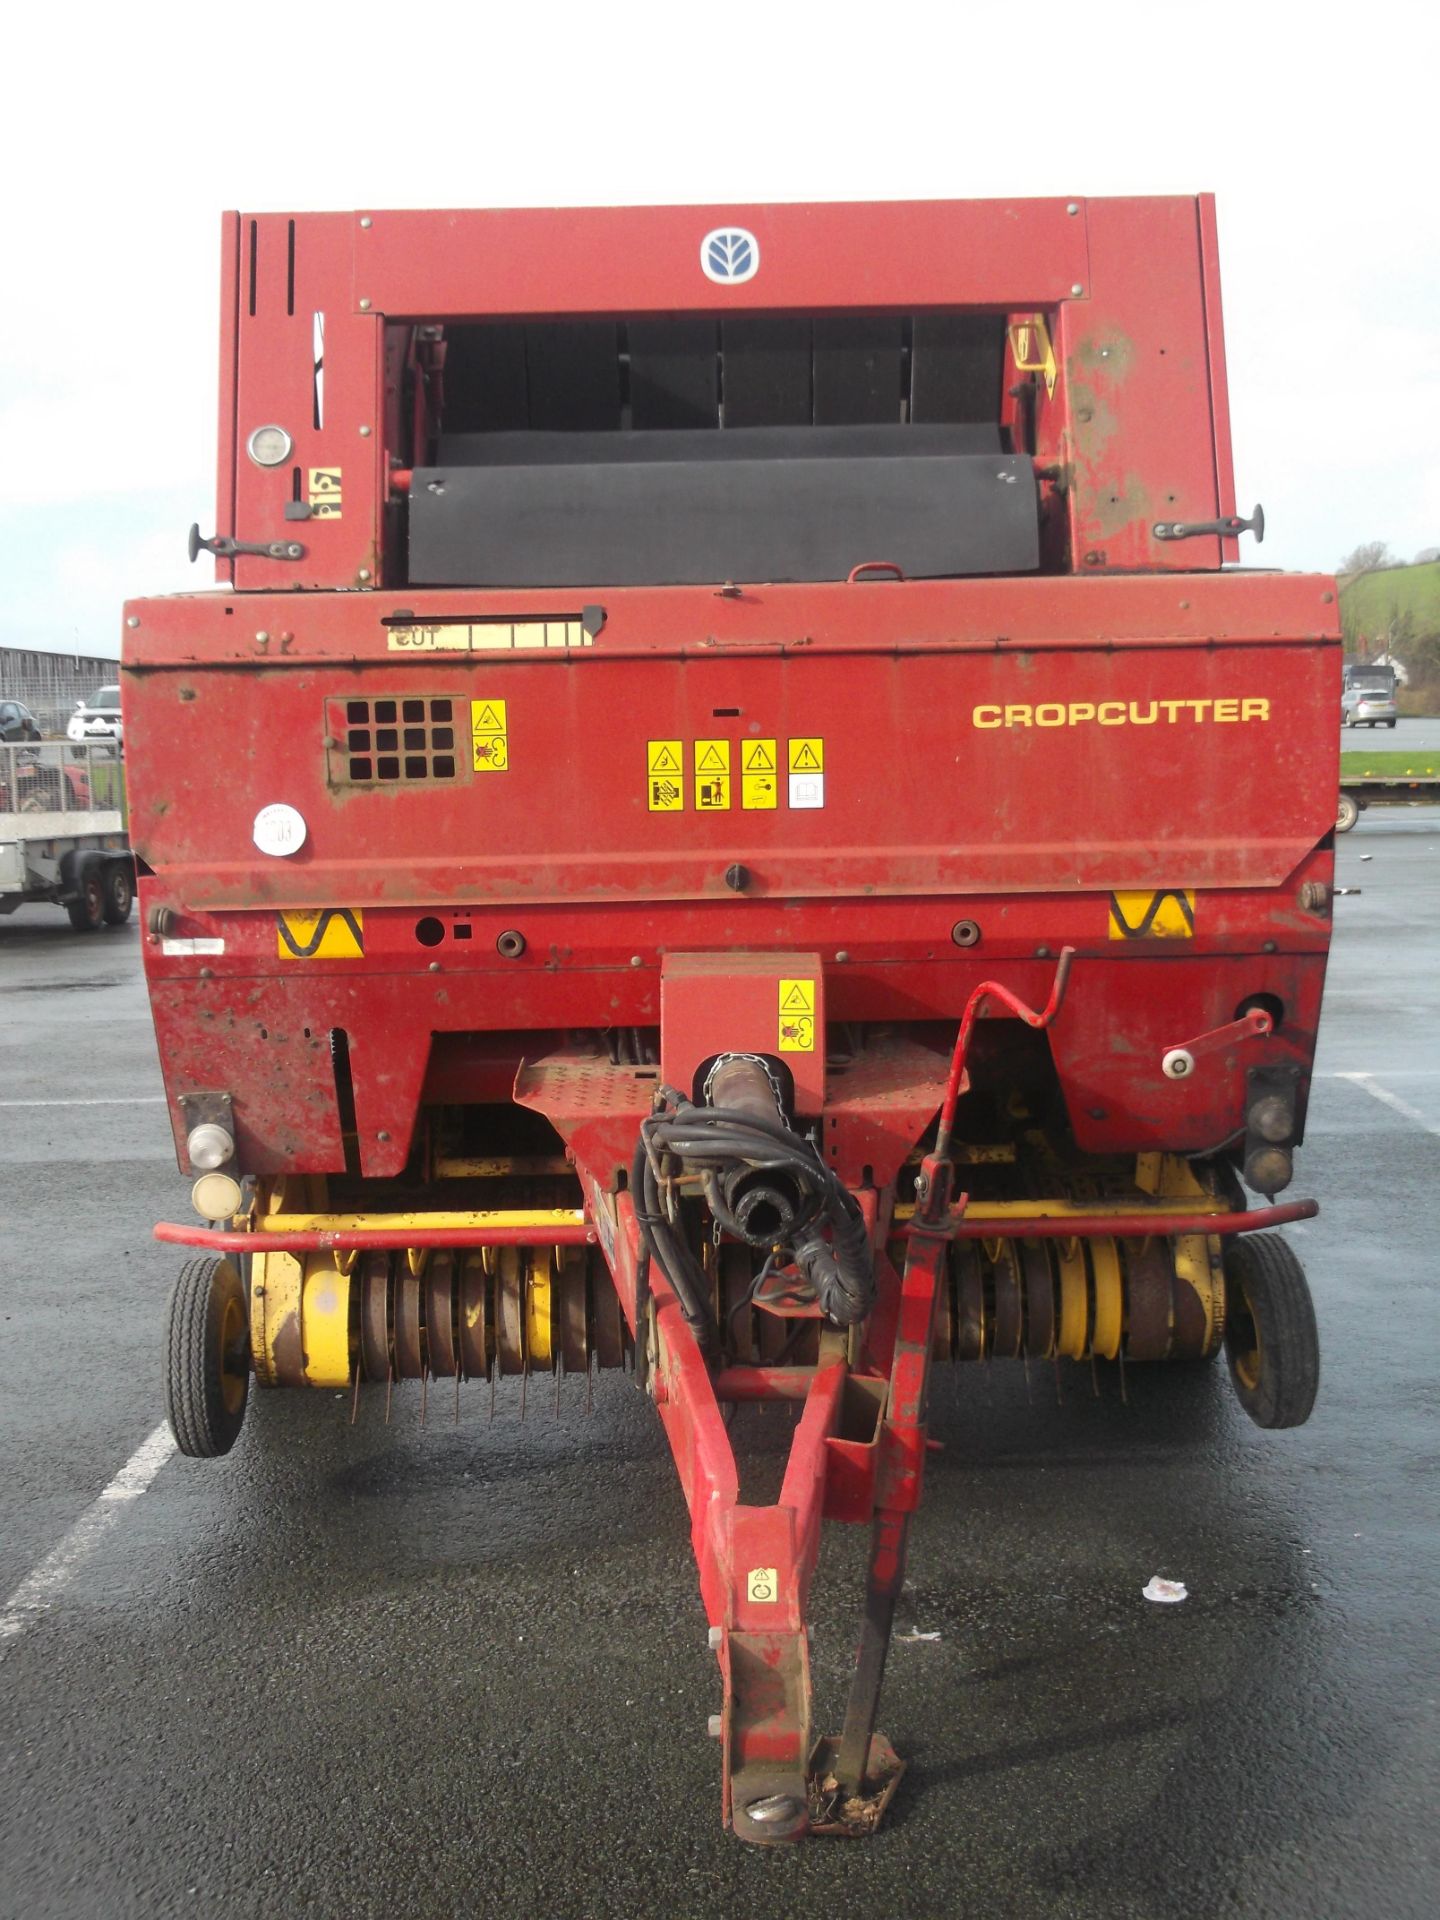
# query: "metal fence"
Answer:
x=56 y=777
x=50 y=684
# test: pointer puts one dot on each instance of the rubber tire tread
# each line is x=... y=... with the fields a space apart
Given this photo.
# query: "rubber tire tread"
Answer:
x=1346 y=815
x=87 y=915
x=204 y=1427
x=118 y=874
x=1263 y=1266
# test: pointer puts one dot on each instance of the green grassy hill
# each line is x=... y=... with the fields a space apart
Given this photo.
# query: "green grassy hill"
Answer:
x=1369 y=602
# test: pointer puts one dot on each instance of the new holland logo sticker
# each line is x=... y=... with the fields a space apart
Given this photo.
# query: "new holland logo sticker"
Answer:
x=332 y=933
x=730 y=256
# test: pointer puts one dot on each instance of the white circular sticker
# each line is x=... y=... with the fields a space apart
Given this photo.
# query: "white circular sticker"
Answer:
x=279 y=829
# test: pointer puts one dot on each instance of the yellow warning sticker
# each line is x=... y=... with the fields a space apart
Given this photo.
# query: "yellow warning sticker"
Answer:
x=712 y=775
x=665 y=776
x=797 y=1016
x=324 y=493
x=762 y=1585
x=807 y=756
x=332 y=933
x=1168 y=915
x=759 y=777
x=489 y=736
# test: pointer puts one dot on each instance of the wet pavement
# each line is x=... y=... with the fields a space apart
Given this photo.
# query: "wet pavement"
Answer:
x=463 y=1670
x=1407 y=735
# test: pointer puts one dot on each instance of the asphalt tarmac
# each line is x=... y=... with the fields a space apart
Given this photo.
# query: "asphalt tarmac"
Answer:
x=386 y=1671
x=1406 y=736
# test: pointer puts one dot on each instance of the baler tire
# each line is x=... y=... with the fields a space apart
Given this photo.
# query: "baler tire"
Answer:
x=204 y=1398
x=119 y=892
x=1347 y=812
x=1271 y=1341
x=87 y=909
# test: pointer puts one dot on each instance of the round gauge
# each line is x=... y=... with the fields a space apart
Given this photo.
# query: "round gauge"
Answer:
x=269 y=446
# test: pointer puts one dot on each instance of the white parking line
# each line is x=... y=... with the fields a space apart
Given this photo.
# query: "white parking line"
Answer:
x=1395 y=1073
x=126 y=1100
x=1372 y=1086
x=42 y=1587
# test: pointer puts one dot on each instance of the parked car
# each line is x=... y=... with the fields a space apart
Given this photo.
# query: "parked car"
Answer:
x=1368 y=706
x=98 y=718
x=17 y=722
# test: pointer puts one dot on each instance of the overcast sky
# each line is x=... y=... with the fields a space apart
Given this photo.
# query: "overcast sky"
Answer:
x=125 y=134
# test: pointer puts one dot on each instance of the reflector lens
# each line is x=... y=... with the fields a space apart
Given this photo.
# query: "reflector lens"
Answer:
x=215 y=1196
x=209 y=1146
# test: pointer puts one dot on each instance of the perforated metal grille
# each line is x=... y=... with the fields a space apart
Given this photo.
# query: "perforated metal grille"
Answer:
x=393 y=739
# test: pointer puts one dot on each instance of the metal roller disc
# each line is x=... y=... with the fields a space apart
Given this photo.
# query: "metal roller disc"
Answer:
x=443 y=1295
x=1039 y=1282
x=409 y=1342
x=736 y=1278
x=475 y=1317
x=510 y=1265
x=573 y=1314
x=1188 y=1340
x=1109 y=1298
x=607 y=1321
x=375 y=1315
x=1009 y=1310
x=1148 y=1271
x=1072 y=1338
x=942 y=1345
x=540 y=1339
x=968 y=1263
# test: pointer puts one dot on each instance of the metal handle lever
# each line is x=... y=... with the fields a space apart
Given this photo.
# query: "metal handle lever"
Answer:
x=1227 y=526
x=222 y=546
x=1178 y=1063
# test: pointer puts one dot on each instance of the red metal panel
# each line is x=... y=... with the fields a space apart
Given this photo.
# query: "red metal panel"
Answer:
x=1215 y=356
x=241 y=1028
x=226 y=449
x=1136 y=381
x=292 y=270
x=732 y=1002
x=631 y=260
x=917 y=712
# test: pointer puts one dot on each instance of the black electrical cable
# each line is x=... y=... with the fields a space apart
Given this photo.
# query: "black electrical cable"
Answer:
x=659 y=1240
x=709 y=1139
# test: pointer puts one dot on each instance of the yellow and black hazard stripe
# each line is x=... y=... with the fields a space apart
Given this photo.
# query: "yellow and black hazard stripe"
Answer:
x=326 y=933
x=1167 y=915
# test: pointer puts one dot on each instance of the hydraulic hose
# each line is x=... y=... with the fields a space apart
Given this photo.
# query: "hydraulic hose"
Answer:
x=764 y=1184
x=660 y=1241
